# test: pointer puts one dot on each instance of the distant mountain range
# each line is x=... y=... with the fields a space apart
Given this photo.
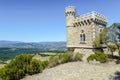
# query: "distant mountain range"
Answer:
x=9 y=49
x=40 y=45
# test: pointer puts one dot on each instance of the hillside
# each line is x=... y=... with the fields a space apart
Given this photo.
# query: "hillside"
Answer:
x=9 y=49
x=17 y=44
x=79 y=71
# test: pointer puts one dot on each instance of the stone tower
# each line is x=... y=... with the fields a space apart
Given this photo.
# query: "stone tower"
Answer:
x=82 y=30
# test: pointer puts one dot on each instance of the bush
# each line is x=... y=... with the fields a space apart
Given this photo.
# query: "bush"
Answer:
x=64 y=58
x=78 y=57
x=99 y=56
x=35 y=66
x=45 y=64
x=53 y=61
x=24 y=64
x=119 y=51
x=19 y=66
x=60 y=59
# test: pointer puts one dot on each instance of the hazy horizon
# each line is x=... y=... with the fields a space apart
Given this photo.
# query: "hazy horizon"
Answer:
x=31 y=42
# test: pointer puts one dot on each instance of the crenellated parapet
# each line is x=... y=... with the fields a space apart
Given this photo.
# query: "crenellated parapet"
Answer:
x=70 y=10
x=88 y=18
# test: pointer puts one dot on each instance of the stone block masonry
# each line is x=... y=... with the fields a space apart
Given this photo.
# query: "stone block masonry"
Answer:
x=82 y=30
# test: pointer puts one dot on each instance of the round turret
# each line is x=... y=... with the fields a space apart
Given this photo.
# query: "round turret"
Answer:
x=70 y=11
x=70 y=15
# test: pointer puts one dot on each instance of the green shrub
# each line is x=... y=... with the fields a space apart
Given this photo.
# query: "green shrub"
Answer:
x=35 y=66
x=119 y=51
x=53 y=61
x=45 y=64
x=64 y=58
x=24 y=64
x=19 y=66
x=98 y=56
x=60 y=59
x=78 y=57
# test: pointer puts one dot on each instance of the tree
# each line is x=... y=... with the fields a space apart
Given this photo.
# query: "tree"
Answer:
x=101 y=39
x=96 y=42
x=112 y=48
x=103 y=36
x=116 y=29
x=117 y=26
x=119 y=51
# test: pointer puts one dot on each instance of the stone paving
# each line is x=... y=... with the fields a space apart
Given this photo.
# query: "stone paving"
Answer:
x=78 y=71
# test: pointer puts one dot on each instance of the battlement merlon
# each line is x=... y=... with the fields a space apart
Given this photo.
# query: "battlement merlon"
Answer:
x=70 y=9
x=92 y=16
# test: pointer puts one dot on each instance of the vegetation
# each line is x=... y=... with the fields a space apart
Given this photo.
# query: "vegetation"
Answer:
x=96 y=42
x=98 y=56
x=119 y=51
x=101 y=39
x=9 y=53
x=34 y=67
x=112 y=48
x=20 y=66
x=45 y=64
x=64 y=58
x=110 y=38
x=25 y=64
x=114 y=37
x=115 y=28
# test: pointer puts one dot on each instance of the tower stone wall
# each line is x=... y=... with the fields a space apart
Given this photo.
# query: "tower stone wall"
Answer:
x=82 y=30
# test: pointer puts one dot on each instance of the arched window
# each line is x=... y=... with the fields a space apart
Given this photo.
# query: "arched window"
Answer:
x=82 y=37
x=100 y=30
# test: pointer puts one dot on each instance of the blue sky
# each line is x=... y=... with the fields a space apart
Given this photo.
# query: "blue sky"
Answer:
x=44 y=20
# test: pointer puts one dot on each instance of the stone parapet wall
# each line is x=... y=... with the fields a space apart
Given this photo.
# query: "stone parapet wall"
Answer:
x=93 y=15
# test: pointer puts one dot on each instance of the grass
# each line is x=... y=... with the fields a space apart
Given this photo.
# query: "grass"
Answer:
x=48 y=54
x=45 y=56
x=1 y=65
